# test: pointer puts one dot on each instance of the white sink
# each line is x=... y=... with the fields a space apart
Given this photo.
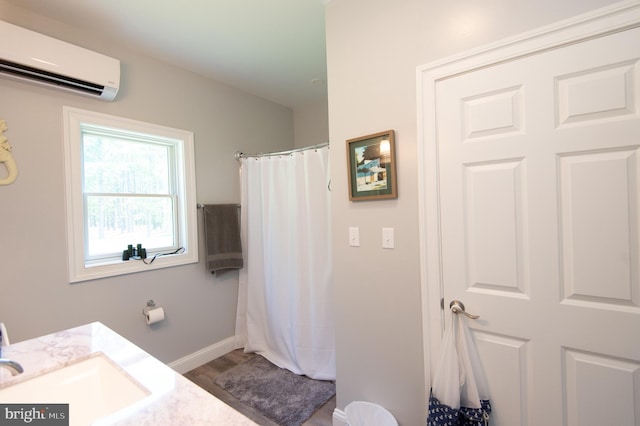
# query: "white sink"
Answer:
x=94 y=387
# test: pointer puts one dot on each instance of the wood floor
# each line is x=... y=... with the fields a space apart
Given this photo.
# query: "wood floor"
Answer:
x=205 y=376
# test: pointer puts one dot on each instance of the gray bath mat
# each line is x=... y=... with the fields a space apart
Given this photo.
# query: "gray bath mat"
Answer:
x=284 y=397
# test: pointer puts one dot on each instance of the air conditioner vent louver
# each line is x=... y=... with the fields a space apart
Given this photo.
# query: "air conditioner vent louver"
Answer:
x=49 y=77
x=36 y=58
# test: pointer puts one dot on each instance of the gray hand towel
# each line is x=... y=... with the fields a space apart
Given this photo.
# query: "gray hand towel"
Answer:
x=222 y=232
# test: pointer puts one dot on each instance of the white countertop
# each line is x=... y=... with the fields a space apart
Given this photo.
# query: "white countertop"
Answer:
x=173 y=399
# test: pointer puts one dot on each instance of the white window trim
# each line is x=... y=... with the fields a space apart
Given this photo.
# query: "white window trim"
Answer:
x=78 y=271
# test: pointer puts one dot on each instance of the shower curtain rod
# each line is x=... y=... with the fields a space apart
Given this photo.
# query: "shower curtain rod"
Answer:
x=238 y=154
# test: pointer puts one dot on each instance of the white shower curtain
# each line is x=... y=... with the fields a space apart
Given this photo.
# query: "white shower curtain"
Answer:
x=285 y=297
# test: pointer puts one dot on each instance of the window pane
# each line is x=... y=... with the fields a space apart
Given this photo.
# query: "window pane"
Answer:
x=115 y=165
x=115 y=222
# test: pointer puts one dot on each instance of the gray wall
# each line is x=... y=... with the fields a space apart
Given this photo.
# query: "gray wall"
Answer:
x=36 y=297
x=373 y=49
x=311 y=124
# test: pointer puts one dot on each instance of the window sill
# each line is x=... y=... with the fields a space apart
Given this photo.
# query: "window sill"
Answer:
x=119 y=267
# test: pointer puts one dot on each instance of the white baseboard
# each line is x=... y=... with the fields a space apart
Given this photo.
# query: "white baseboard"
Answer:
x=339 y=418
x=203 y=356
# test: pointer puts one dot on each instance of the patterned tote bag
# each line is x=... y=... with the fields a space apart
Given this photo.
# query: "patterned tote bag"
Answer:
x=459 y=392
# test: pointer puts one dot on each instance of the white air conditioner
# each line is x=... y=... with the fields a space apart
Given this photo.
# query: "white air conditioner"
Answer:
x=36 y=58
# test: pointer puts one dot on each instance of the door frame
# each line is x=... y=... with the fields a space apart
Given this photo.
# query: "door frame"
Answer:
x=617 y=17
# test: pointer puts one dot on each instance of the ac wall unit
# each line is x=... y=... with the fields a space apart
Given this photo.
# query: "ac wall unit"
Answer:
x=31 y=57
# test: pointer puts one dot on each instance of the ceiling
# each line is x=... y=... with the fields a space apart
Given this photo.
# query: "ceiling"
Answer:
x=274 y=49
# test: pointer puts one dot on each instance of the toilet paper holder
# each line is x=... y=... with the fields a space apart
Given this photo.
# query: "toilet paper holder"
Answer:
x=150 y=305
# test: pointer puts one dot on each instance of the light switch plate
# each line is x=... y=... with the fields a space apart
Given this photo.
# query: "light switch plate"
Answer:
x=387 y=238
x=354 y=236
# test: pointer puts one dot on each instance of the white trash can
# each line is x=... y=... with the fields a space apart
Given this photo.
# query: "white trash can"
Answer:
x=362 y=413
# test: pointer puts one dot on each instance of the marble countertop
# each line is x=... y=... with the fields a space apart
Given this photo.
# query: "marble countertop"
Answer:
x=173 y=399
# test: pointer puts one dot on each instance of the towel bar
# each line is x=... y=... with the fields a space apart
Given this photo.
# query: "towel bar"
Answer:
x=201 y=206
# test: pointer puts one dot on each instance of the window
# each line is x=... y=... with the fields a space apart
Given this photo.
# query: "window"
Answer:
x=127 y=183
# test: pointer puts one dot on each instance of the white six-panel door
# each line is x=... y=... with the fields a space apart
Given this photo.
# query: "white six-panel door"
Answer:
x=538 y=213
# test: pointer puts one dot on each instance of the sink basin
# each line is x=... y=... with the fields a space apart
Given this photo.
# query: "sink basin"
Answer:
x=94 y=387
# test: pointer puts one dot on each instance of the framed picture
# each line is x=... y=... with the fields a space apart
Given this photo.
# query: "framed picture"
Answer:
x=372 y=167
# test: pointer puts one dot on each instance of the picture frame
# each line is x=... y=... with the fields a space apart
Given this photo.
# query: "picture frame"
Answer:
x=372 y=167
